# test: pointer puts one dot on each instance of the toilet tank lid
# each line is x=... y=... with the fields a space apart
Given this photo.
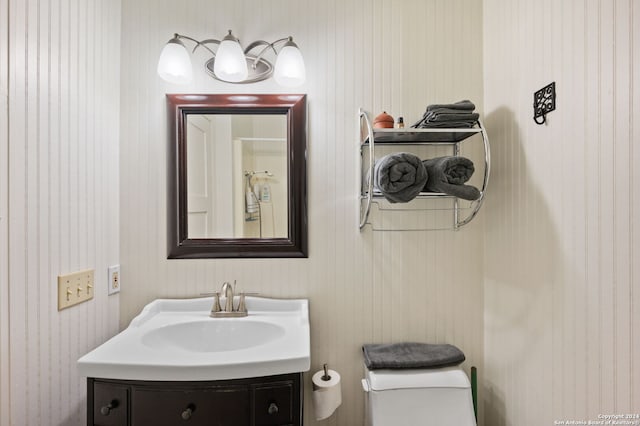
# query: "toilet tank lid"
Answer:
x=451 y=377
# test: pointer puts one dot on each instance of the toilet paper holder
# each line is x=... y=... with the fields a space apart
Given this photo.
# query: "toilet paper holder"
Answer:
x=326 y=377
x=327 y=395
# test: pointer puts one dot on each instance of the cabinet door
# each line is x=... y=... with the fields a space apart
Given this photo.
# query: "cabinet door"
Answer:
x=195 y=407
x=273 y=404
x=109 y=404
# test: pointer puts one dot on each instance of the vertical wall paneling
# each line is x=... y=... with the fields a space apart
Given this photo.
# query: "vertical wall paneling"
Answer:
x=362 y=287
x=634 y=157
x=4 y=223
x=622 y=106
x=561 y=232
x=17 y=223
x=62 y=207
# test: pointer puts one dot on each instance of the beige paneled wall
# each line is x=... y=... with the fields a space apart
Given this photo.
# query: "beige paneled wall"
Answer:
x=562 y=329
x=362 y=287
x=59 y=194
x=4 y=222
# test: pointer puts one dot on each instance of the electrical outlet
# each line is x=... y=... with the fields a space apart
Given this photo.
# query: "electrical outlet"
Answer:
x=114 y=279
x=75 y=288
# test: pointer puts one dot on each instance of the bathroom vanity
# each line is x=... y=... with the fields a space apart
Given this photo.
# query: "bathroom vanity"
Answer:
x=175 y=363
x=264 y=401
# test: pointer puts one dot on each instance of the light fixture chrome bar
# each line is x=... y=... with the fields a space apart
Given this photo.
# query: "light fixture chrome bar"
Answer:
x=269 y=45
x=259 y=43
x=291 y=73
x=202 y=43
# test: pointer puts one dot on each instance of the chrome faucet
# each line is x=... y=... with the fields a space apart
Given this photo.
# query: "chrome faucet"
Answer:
x=227 y=292
x=228 y=311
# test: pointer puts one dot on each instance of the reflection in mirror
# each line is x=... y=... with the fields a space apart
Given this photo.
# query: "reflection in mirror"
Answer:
x=237 y=176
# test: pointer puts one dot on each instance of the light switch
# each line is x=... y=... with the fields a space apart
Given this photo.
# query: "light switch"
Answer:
x=74 y=288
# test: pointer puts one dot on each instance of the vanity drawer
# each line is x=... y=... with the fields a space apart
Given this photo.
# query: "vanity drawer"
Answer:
x=256 y=401
x=204 y=406
x=273 y=404
x=109 y=404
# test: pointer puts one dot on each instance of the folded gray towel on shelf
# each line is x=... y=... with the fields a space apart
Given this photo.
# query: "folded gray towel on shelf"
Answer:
x=466 y=105
x=442 y=117
x=399 y=176
x=411 y=355
x=446 y=125
x=448 y=174
x=459 y=114
x=437 y=118
x=444 y=110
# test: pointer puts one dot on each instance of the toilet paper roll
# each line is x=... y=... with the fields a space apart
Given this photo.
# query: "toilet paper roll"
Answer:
x=327 y=394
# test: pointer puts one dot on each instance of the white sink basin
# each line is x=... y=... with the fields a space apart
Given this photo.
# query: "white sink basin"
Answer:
x=213 y=336
x=177 y=340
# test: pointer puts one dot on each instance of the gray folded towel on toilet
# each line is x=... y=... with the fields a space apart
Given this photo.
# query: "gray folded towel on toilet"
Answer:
x=411 y=355
x=399 y=177
x=448 y=175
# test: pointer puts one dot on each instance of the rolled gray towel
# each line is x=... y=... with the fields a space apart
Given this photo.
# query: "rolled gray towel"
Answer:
x=411 y=355
x=400 y=176
x=448 y=174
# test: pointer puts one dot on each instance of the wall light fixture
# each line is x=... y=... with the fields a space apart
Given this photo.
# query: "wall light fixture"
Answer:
x=231 y=64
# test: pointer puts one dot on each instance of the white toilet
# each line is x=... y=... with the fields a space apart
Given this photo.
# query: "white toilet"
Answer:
x=418 y=397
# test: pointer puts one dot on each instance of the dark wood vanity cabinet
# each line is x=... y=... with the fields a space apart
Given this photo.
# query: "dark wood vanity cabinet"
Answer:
x=261 y=401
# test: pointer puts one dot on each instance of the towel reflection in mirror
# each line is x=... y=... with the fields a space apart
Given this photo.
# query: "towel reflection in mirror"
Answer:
x=237 y=176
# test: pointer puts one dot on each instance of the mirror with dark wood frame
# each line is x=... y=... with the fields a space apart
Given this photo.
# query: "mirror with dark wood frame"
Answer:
x=237 y=199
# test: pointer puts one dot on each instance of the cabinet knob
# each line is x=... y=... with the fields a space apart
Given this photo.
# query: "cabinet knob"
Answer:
x=106 y=409
x=188 y=412
x=273 y=408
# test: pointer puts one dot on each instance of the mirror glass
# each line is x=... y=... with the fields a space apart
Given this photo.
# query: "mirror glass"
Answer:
x=236 y=176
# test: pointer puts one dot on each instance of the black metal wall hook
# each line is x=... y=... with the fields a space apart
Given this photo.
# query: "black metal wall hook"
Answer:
x=544 y=101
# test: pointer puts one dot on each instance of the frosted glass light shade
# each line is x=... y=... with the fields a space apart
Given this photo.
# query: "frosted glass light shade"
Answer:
x=174 y=65
x=230 y=63
x=289 y=69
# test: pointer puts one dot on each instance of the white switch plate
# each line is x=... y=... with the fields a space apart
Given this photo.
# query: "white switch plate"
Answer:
x=113 y=282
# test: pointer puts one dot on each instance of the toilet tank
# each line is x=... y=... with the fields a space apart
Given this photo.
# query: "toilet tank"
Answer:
x=412 y=397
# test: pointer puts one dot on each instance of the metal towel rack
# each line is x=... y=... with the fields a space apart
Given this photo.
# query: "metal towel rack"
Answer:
x=370 y=138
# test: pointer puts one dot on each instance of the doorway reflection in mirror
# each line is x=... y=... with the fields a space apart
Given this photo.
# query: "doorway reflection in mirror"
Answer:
x=237 y=176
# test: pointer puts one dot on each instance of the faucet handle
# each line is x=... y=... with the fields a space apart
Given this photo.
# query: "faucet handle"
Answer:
x=241 y=304
x=215 y=308
x=216 y=302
